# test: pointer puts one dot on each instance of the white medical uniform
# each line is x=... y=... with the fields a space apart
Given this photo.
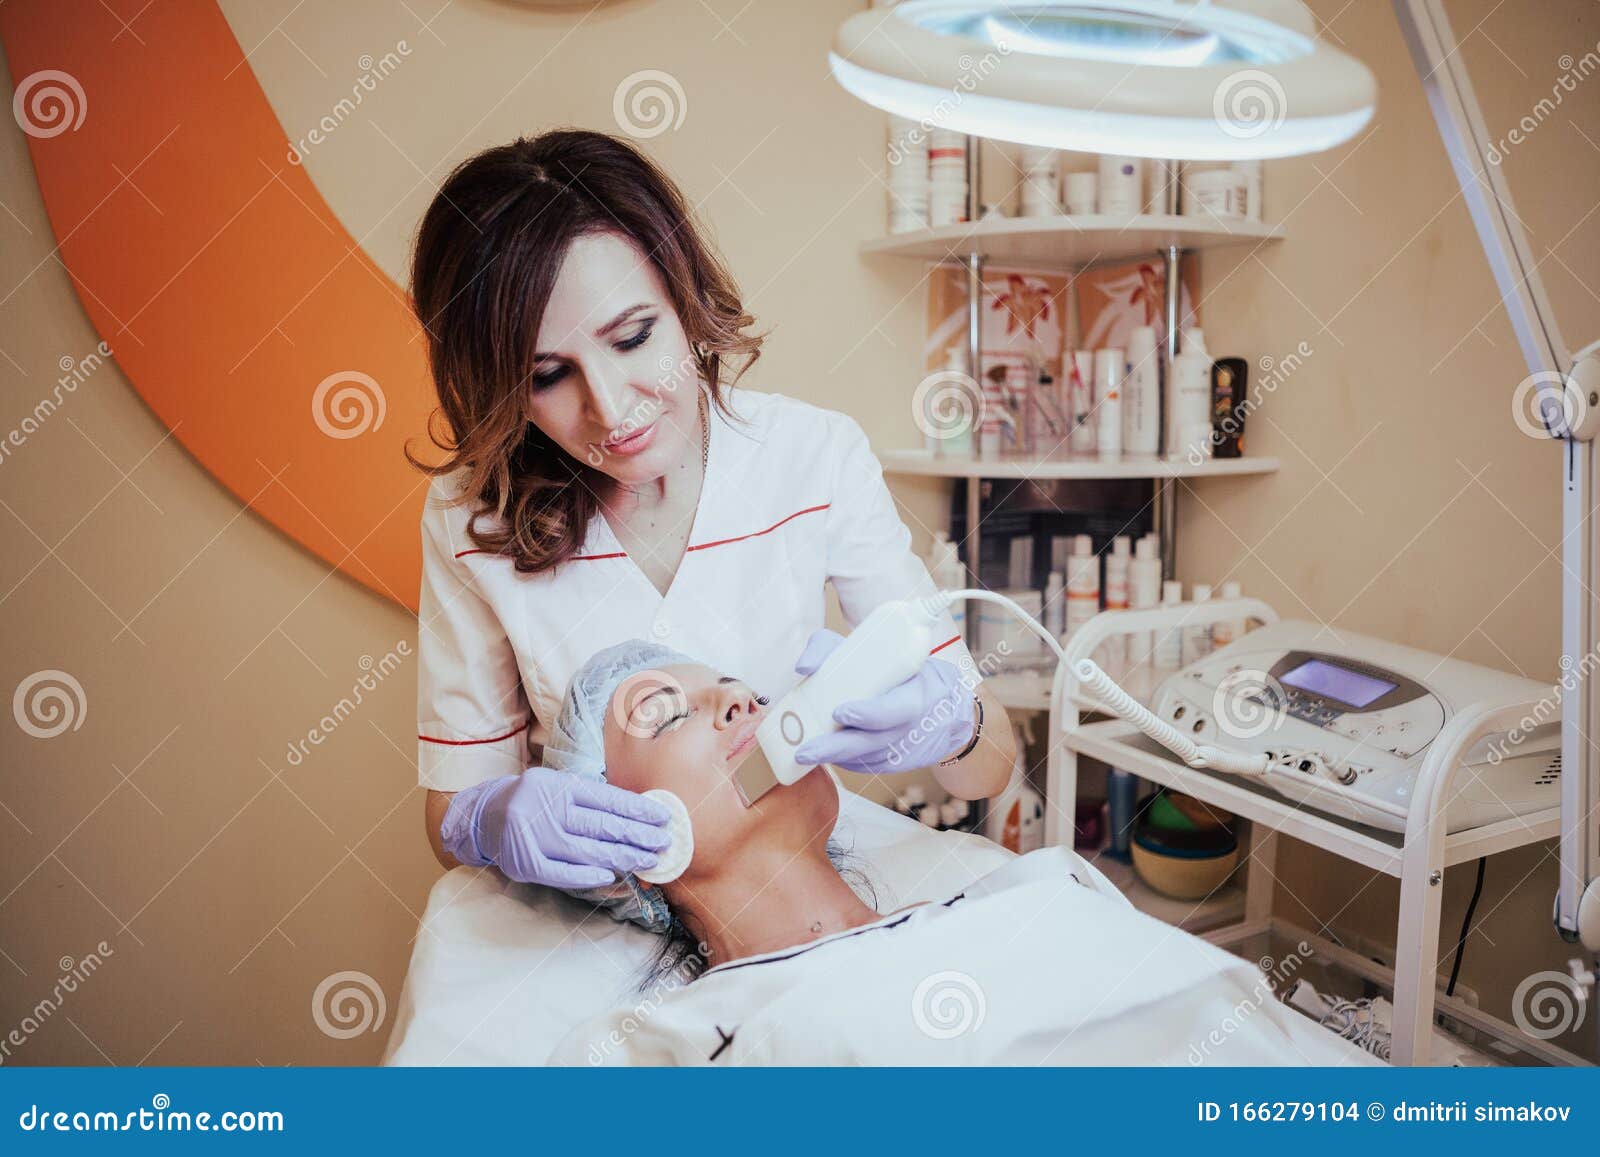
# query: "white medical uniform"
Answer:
x=793 y=498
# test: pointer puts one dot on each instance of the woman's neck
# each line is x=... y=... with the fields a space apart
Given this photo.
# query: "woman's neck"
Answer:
x=765 y=899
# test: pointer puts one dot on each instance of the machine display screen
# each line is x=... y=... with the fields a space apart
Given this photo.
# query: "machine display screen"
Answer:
x=1339 y=683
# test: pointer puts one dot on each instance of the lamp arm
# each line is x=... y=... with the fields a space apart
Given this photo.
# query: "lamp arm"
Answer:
x=1567 y=401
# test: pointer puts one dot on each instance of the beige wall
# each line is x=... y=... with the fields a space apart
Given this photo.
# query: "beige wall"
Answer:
x=1409 y=506
x=228 y=883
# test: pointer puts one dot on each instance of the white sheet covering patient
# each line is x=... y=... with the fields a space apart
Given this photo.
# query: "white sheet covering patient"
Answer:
x=1029 y=966
x=780 y=961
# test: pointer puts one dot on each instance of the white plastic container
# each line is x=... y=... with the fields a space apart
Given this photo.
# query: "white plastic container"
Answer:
x=1121 y=186
x=1109 y=365
x=1141 y=395
x=1117 y=594
x=1225 y=631
x=959 y=444
x=1197 y=636
x=1214 y=193
x=1169 y=641
x=1189 y=400
x=1250 y=175
x=1144 y=592
x=1055 y=605
x=907 y=161
x=1081 y=190
x=1080 y=396
x=1003 y=638
x=1118 y=574
x=947 y=178
x=1041 y=182
x=1083 y=583
x=944 y=567
x=1016 y=815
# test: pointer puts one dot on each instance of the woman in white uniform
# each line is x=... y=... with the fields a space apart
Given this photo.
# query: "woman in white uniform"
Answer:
x=604 y=481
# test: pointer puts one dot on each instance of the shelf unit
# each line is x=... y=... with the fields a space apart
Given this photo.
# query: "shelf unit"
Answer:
x=1416 y=857
x=1047 y=468
x=1071 y=243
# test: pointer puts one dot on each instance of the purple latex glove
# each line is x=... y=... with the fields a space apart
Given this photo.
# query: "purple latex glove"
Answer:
x=555 y=828
x=917 y=723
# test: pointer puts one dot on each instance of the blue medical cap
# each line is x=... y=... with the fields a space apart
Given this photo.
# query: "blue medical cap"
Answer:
x=577 y=743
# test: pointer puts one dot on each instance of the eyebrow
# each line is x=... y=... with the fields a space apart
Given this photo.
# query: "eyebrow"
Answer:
x=615 y=323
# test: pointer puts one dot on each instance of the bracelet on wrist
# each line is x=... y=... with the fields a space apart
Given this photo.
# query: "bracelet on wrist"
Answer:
x=977 y=731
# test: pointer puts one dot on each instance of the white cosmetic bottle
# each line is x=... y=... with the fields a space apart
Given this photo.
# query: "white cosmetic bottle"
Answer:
x=1055 y=605
x=1189 y=400
x=1197 y=636
x=1169 y=640
x=1108 y=367
x=1080 y=397
x=1144 y=592
x=1141 y=395
x=1083 y=583
x=944 y=567
x=1118 y=566
x=1225 y=631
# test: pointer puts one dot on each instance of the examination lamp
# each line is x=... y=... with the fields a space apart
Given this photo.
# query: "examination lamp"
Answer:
x=1249 y=79
x=1236 y=79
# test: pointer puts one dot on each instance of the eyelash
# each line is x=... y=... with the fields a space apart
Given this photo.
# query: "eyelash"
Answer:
x=545 y=381
x=666 y=723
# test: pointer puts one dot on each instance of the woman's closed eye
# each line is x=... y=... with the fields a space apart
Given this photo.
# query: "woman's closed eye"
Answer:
x=638 y=338
x=669 y=722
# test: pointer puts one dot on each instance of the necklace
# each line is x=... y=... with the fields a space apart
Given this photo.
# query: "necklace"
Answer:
x=705 y=435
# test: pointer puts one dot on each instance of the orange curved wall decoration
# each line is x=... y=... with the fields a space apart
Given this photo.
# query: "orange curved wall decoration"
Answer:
x=242 y=311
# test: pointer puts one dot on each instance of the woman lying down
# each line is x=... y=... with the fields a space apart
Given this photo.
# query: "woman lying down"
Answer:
x=770 y=956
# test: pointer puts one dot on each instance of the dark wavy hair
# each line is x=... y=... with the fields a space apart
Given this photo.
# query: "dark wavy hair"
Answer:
x=486 y=257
